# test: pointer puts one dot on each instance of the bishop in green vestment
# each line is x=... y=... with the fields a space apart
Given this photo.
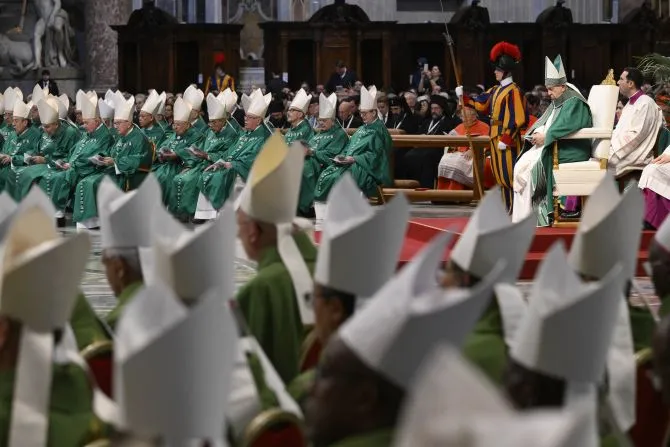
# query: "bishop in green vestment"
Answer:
x=301 y=131
x=8 y=137
x=25 y=145
x=365 y=158
x=55 y=147
x=127 y=163
x=169 y=161
x=58 y=183
x=185 y=188
x=328 y=143
x=268 y=303
x=217 y=180
x=533 y=173
x=71 y=418
x=87 y=328
x=147 y=120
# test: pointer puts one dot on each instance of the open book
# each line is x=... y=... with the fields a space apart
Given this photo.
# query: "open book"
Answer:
x=97 y=160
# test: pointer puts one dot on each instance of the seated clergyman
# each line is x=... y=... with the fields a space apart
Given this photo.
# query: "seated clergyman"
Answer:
x=533 y=178
x=366 y=155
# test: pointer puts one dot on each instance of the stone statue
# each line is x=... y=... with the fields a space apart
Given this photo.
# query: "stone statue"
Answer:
x=52 y=37
x=556 y=17
x=17 y=56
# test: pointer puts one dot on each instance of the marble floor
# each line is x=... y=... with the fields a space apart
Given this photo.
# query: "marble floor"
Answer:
x=97 y=290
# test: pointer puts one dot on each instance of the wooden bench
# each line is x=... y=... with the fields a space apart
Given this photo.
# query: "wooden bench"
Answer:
x=439 y=142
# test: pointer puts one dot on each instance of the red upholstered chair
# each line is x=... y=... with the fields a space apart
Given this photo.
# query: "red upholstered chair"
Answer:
x=310 y=352
x=652 y=416
x=275 y=428
x=100 y=359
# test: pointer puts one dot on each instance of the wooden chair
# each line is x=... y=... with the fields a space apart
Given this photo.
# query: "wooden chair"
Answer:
x=275 y=428
x=581 y=178
x=100 y=359
x=652 y=416
x=310 y=352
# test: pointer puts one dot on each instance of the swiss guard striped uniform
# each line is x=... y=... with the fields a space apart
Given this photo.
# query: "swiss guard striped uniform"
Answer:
x=505 y=105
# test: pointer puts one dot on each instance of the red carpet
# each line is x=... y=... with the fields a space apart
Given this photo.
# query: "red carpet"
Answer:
x=422 y=230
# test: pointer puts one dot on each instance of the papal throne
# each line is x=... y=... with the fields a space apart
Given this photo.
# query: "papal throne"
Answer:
x=581 y=178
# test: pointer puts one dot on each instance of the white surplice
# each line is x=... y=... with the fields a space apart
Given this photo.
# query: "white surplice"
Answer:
x=657 y=178
x=634 y=136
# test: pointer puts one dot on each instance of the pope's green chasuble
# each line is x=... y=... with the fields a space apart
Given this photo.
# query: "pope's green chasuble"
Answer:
x=217 y=185
x=569 y=113
x=58 y=183
x=186 y=185
x=369 y=147
x=268 y=303
x=166 y=170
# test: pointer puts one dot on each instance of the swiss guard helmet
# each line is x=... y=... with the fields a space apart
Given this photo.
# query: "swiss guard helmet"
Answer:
x=505 y=56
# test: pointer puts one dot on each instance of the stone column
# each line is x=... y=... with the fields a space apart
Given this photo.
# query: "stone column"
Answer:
x=101 y=51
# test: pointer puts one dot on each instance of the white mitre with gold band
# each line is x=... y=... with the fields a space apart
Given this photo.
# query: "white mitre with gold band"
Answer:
x=271 y=196
x=411 y=315
x=593 y=254
x=453 y=404
x=31 y=245
x=569 y=326
x=359 y=247
x=167 y=353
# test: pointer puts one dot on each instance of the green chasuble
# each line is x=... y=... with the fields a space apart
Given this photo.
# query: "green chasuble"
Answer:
x=165 y=127
x=133 y=156
x=5 y=130
x=485 y=345
x=71 y=418
x=310 y=171
x=233 y=122
x=165 y=171
x=217 y=185
x=85 y=203
x=571 y=113
x=85 y=324
x=53 y=148
x=25 y=144
x=381 y=438
x=122 y=300
x=269 y=305
x=300 y=386
x=200 y=125
x=186 y=185
x=58 y=183
x=328 y=144
x=155 y=134
x=643 y=325
x=9 y=137
x=369 y=146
